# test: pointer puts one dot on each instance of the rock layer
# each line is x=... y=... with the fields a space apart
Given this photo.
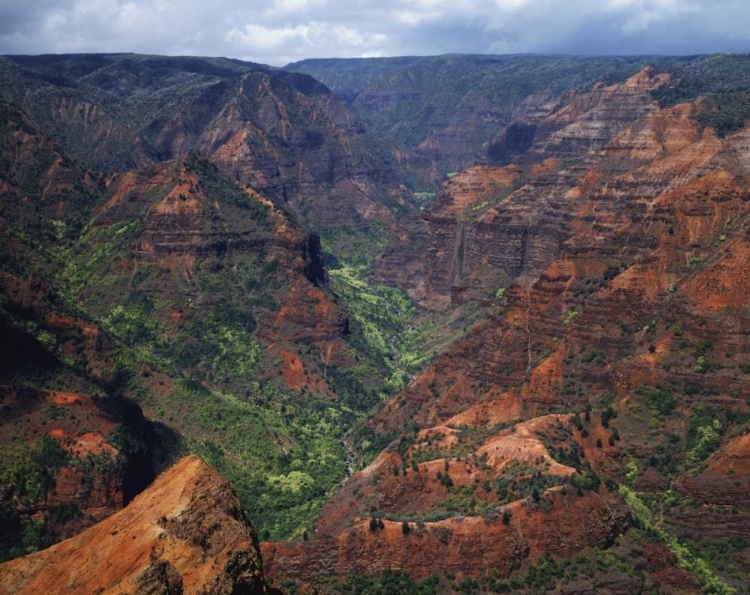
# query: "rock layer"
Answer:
x=186 y=534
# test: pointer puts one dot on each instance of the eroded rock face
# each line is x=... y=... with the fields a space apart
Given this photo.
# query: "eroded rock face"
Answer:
x=71 y=460
x=186 y=534
x=38 y=182
x=491 y=226
x=184 y=213
x=457 y=111
x=726 y=479
x=624 y=272
x=623 y=224
x=302 y=149
x=666 y=210
x=188 y=217
x=559 y=522
x=467 y=545
x=285 y=135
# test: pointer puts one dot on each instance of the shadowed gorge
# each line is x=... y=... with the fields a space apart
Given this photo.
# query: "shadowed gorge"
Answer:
x=454 y=324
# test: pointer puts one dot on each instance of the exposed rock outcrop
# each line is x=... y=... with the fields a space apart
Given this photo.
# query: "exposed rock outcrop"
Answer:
x=492 y=226
x=624 y=272
x=466 y=545
x=186 y=534
x=284 y=134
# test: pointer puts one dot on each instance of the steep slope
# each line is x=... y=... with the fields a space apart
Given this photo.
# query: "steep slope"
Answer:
x=441 y=510
x=177 y=287
x=38 y=183
x=74 y=449
x=679 y=201
x=212 y=290
x=588 y=435
x=491 y=226
x=283 y=133
x=186 y=534
x=69 y=461
x=608 y=372
x=449 y=108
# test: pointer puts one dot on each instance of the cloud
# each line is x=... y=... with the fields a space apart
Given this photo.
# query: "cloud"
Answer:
x=279 y=31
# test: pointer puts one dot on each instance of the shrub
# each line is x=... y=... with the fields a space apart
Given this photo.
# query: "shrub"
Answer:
x=658 y=399
x=607 y=415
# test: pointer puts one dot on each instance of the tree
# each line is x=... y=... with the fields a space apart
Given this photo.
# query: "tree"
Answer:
x=507 y=515
x=405 y=529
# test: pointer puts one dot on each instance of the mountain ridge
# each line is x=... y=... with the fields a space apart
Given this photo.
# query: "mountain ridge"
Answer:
x=535 y=368
x=185 y=534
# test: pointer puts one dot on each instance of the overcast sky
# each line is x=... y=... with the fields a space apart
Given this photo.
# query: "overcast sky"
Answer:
x=281 y=31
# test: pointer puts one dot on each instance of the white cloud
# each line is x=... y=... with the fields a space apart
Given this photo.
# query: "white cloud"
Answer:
x=413 y=18
x=265 y=38
x=512 y=4
x=293 y=7
x=336 y=39
x=273 y=31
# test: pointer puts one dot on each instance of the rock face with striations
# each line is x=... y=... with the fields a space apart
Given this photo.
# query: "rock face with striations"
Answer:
x=654 y=229
x=186 y=533
x=626 y=288
x=488 y=225
x=456 y=111
x=285 y=134
x=346 y=543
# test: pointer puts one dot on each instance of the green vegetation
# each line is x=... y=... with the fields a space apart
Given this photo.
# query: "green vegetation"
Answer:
x=353 y=247
x=570 y=316
x=724 y=555
x=544 y=575
x=382 y=312
x=520 y=481
x=723 y=80
x=29 y=470
x=423 y=197
x=660 y=400
x=281 y=449
x=685 y=556
x=725 y=113
x=427 y=336
x=201 y=334
x=282 y=456
x=391 y=581
x=595 y=356
x=707 y=426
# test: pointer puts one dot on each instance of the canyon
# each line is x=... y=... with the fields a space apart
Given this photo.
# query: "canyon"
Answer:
x=488 y=348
